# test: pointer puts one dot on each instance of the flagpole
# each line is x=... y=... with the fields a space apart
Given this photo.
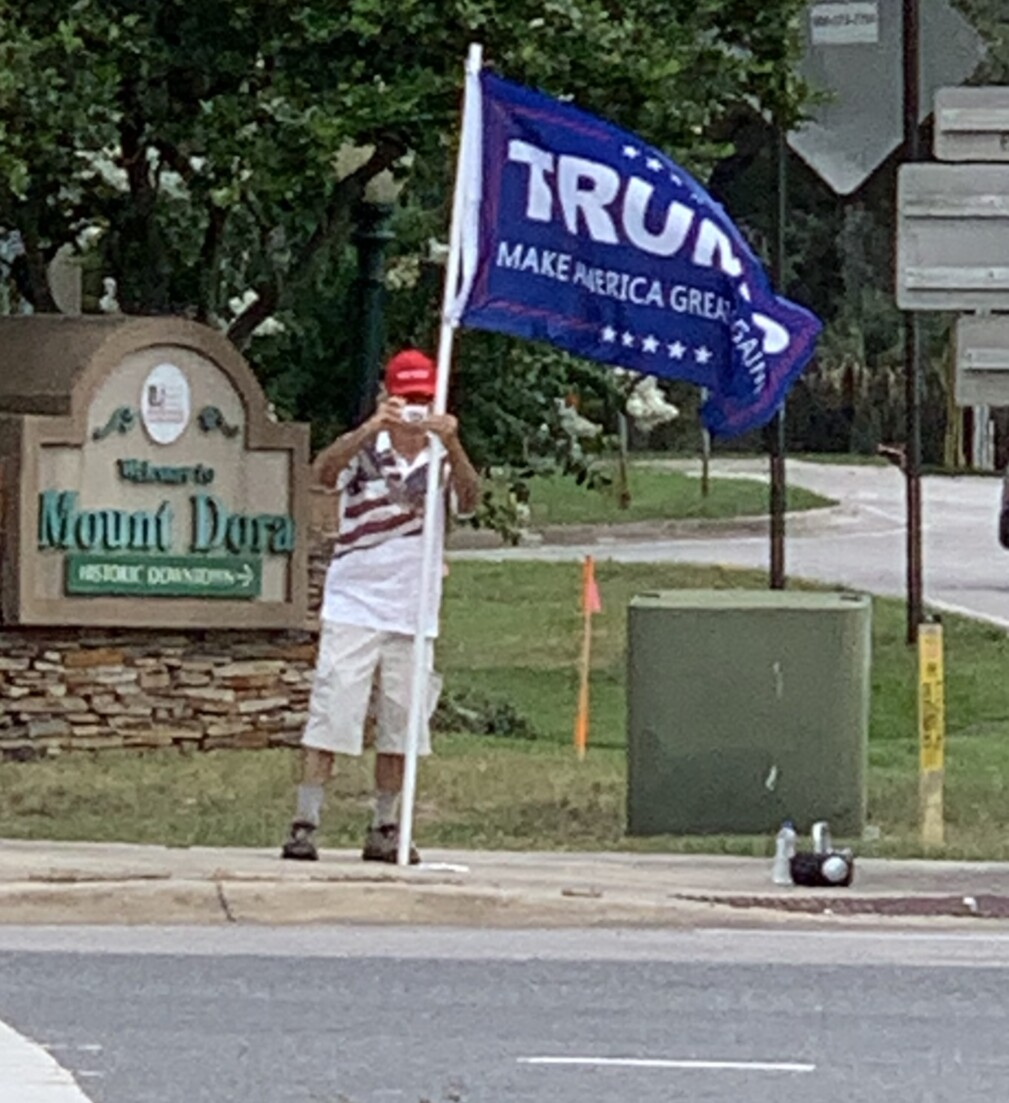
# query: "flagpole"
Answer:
x=449 y=321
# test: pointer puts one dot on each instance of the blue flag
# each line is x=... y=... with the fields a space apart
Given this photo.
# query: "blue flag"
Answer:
x=581 y=235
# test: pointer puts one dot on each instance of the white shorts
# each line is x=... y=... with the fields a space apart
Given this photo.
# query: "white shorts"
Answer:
x=358 y=667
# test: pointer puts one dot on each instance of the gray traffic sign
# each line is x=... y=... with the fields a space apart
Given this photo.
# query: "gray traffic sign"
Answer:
x=982 y=361
x=953 y=237
x=853 y=52
x=972 y=124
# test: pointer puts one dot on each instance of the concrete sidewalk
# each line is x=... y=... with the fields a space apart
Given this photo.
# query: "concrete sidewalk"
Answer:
x=50 y=882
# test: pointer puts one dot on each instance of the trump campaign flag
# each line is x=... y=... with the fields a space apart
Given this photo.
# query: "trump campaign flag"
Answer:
x=577 y=233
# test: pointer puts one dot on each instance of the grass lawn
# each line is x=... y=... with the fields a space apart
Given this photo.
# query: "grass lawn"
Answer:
x=656 y=494
x=511 y=632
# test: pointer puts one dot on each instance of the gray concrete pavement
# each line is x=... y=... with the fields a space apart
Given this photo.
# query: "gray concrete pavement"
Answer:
x=73 y=883
x=716 y=1015
x=858 y=545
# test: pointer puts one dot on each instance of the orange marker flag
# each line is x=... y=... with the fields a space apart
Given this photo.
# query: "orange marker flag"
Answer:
x=591 y=604
x=590 y=591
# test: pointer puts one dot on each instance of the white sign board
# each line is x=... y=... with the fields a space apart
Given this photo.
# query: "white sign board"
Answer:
x=953 y=237
x=972 y=124
x=982 y=361
x=842 y=24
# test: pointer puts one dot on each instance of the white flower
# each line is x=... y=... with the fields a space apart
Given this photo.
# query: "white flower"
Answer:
x=647 y=405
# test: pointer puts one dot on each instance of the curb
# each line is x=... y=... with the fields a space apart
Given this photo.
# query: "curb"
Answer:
x=184 y=902
x=642 y=531
x=410 y=901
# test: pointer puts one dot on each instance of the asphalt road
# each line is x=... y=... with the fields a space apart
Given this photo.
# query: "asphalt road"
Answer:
x=861 y=545
x=327 y=1015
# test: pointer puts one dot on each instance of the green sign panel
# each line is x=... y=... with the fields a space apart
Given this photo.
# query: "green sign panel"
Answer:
x=164 y=575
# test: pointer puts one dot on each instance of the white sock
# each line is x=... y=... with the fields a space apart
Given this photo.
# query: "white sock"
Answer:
x=309 y=804
x=386 y=809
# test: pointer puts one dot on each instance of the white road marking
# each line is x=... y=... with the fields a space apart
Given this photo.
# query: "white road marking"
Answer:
x=30 y=1075
x=670 y=1063
x=966 y=611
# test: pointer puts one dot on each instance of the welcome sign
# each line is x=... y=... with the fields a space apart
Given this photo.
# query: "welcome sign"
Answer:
x=163 y=495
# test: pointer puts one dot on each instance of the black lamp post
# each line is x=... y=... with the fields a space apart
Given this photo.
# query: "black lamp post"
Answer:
x=371 y=236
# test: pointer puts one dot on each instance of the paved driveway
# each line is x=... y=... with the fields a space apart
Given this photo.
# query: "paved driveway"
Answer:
x=861 y=544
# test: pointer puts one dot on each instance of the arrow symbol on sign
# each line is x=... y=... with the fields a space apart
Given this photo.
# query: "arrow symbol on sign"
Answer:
x=246 y=576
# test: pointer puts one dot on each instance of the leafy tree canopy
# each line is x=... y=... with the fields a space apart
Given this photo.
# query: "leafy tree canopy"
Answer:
x=195 y=144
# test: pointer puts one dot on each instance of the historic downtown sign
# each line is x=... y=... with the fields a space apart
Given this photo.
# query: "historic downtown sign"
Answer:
x=144 y=482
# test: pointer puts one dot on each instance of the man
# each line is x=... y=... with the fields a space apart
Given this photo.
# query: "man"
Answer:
x=371 y=597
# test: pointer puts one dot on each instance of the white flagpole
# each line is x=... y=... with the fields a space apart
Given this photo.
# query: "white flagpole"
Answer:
x=449 y=320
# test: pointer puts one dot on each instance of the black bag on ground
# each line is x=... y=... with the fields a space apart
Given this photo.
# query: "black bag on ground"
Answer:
x=807 y=870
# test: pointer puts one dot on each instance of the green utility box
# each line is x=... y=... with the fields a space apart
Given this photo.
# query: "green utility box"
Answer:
x=746 y=708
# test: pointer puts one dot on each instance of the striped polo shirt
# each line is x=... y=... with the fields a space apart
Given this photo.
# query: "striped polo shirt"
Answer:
x=373 y=579
x=382 y=496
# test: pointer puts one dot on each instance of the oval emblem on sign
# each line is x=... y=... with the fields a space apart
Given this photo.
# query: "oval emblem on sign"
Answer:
x=164 y=403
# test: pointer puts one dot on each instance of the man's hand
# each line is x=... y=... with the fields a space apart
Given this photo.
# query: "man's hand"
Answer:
x=444 y=426
x=465 y=480
x=332 y=460
x=388 y=414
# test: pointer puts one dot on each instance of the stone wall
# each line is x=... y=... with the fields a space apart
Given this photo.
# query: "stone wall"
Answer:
x=89 y=689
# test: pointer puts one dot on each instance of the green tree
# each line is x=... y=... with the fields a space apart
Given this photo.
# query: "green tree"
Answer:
x=190 y=149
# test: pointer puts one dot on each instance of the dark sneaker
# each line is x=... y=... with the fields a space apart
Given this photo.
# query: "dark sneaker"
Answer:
x=381 y=844
x=301 y=844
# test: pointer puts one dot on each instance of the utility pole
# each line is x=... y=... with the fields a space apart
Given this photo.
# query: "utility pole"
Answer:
x=912 y=340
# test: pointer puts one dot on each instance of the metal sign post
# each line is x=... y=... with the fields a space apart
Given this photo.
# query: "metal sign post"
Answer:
x=777 y=427
x=912 y=344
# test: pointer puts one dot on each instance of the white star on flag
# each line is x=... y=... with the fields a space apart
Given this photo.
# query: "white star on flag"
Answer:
x=703 y=355
x=654 y=164
x=628 y=340
x=630 y=151
x=676 y=350
x=609 y=333
x=675 y=179
x=650 y=343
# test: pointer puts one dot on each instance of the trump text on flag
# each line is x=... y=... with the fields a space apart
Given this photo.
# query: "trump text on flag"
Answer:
x=591 y=240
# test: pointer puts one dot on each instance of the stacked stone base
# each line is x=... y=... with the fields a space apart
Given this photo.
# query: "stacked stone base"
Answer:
x=97 y=689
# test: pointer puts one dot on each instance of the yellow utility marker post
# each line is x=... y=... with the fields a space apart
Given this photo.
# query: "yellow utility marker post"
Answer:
x=931 y=733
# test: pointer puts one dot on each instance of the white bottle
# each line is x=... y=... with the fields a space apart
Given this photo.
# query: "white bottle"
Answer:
x=784 y=851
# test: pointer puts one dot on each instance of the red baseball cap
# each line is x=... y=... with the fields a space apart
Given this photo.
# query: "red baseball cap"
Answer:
x=410 y=372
